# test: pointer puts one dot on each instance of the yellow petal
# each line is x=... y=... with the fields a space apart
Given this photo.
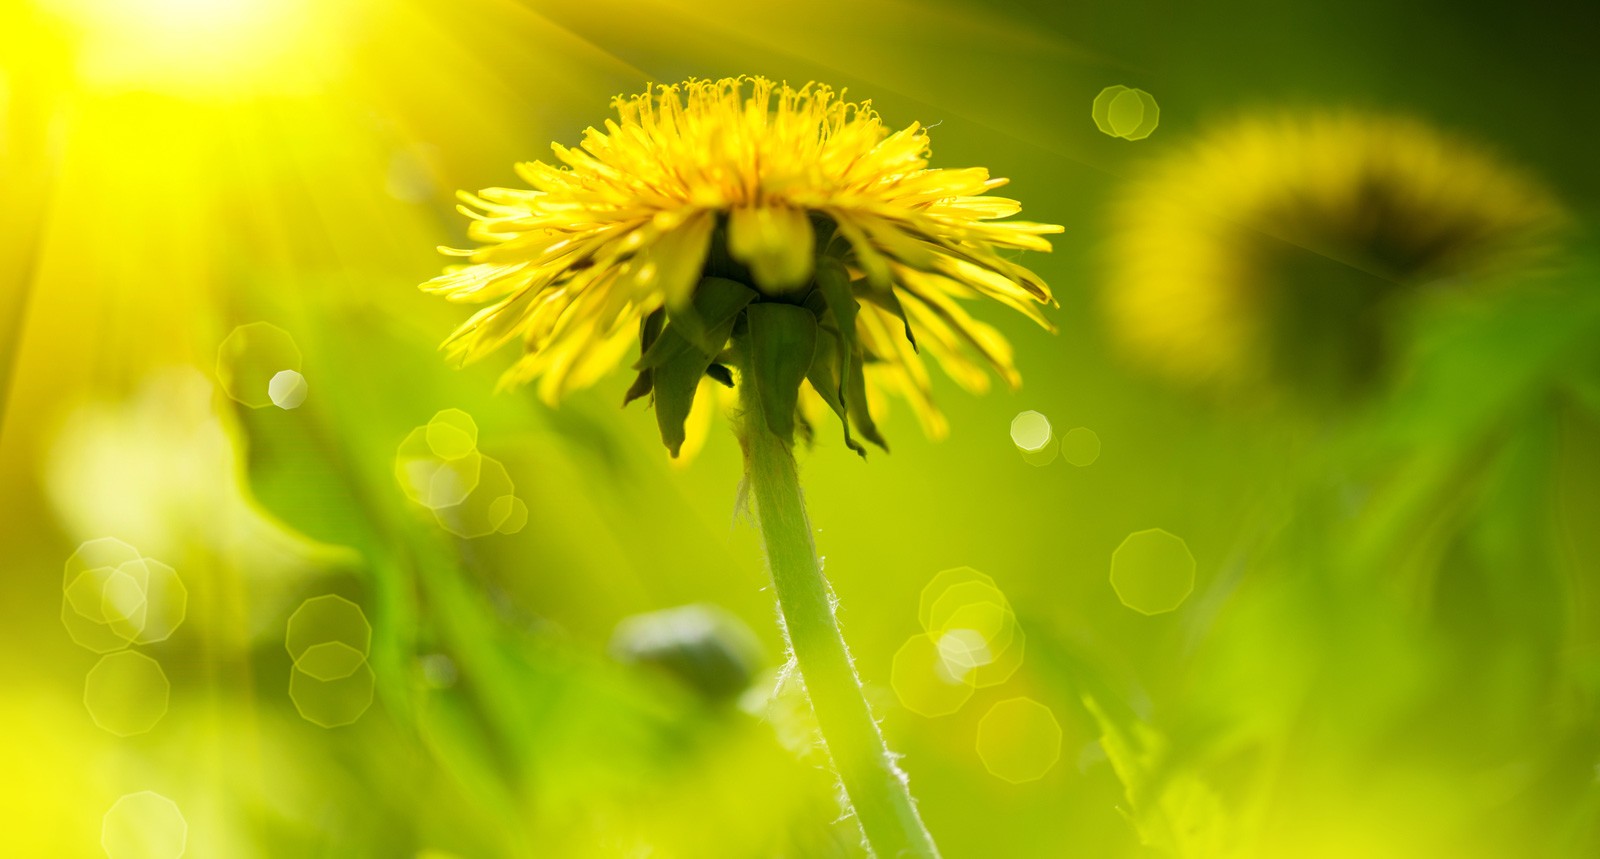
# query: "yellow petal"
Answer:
x=672 y=263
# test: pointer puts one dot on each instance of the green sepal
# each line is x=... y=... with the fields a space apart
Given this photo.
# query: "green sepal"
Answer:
x=676 y=382
x=827 y=379
x=676 y=362
x=886 y=299
x=833 y=284
x=649 y=331
x=856 y=401
x=782 y=341
x=643 y=384
x=818 y=305
x=705 y=324
x=721 y=374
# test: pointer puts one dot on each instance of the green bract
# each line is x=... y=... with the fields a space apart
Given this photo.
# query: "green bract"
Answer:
x=779 y=344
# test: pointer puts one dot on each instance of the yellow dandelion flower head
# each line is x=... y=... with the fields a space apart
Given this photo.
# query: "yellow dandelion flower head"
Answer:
x=703 y=199
x=1271 y=250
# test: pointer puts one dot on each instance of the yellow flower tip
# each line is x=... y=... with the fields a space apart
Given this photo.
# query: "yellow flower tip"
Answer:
x=755 y=183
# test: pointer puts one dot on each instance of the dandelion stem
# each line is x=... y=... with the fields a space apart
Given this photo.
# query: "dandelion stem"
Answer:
x=873 y=784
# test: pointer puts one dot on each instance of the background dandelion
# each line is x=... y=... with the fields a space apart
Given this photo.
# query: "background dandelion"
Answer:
x=1390 y=647
x=1282 y=249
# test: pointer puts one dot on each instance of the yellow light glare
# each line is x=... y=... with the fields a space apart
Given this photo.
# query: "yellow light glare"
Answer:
x=196 y=47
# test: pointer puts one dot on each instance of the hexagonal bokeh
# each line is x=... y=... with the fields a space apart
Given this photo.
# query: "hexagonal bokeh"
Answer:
x=988 y=626
x=86 y=593
x=431 y=480
x=1035 y=438
x=1019 y=740
x=963 y=650
x=126 y=693
x=332 y=703
x=922 y=680
x=248 y=359
x=512 y=513
x=1148 y=114
x=330 y=660
x=1003 y=663
x=1152 y=571
x=941 y=582
x=440 y=467
x=1080 y=446
x=287 y=389
x=329 y=639
x=122 y=604
x=452 y=434
x=1031 y=430
x=959 y=597
x=166 y=600
x=980 y=658
x=972 y=623
x=112 y=597
x=327 y=618
x=1125 y=112
x=480 y=514
x=1102 y=109
x=121 y=596
x=106 y=552
x=144 y=825
x=993 y=620
x=89 y=634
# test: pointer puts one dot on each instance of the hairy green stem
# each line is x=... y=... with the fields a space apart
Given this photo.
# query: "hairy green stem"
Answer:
x=873 y=784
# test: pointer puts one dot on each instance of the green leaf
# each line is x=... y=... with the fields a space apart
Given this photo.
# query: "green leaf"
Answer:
x=1173 y=811
x=783 y=340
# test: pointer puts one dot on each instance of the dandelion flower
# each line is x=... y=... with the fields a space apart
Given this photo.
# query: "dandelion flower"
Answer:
x=1271 y=251
x=774 y=241
x=703 y=199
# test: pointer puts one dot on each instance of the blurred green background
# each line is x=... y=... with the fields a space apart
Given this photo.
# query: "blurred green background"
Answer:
x=1392 y=647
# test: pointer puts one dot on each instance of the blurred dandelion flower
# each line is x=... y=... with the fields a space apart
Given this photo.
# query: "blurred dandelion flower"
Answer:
x=1270 y=251
x=704 y=198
